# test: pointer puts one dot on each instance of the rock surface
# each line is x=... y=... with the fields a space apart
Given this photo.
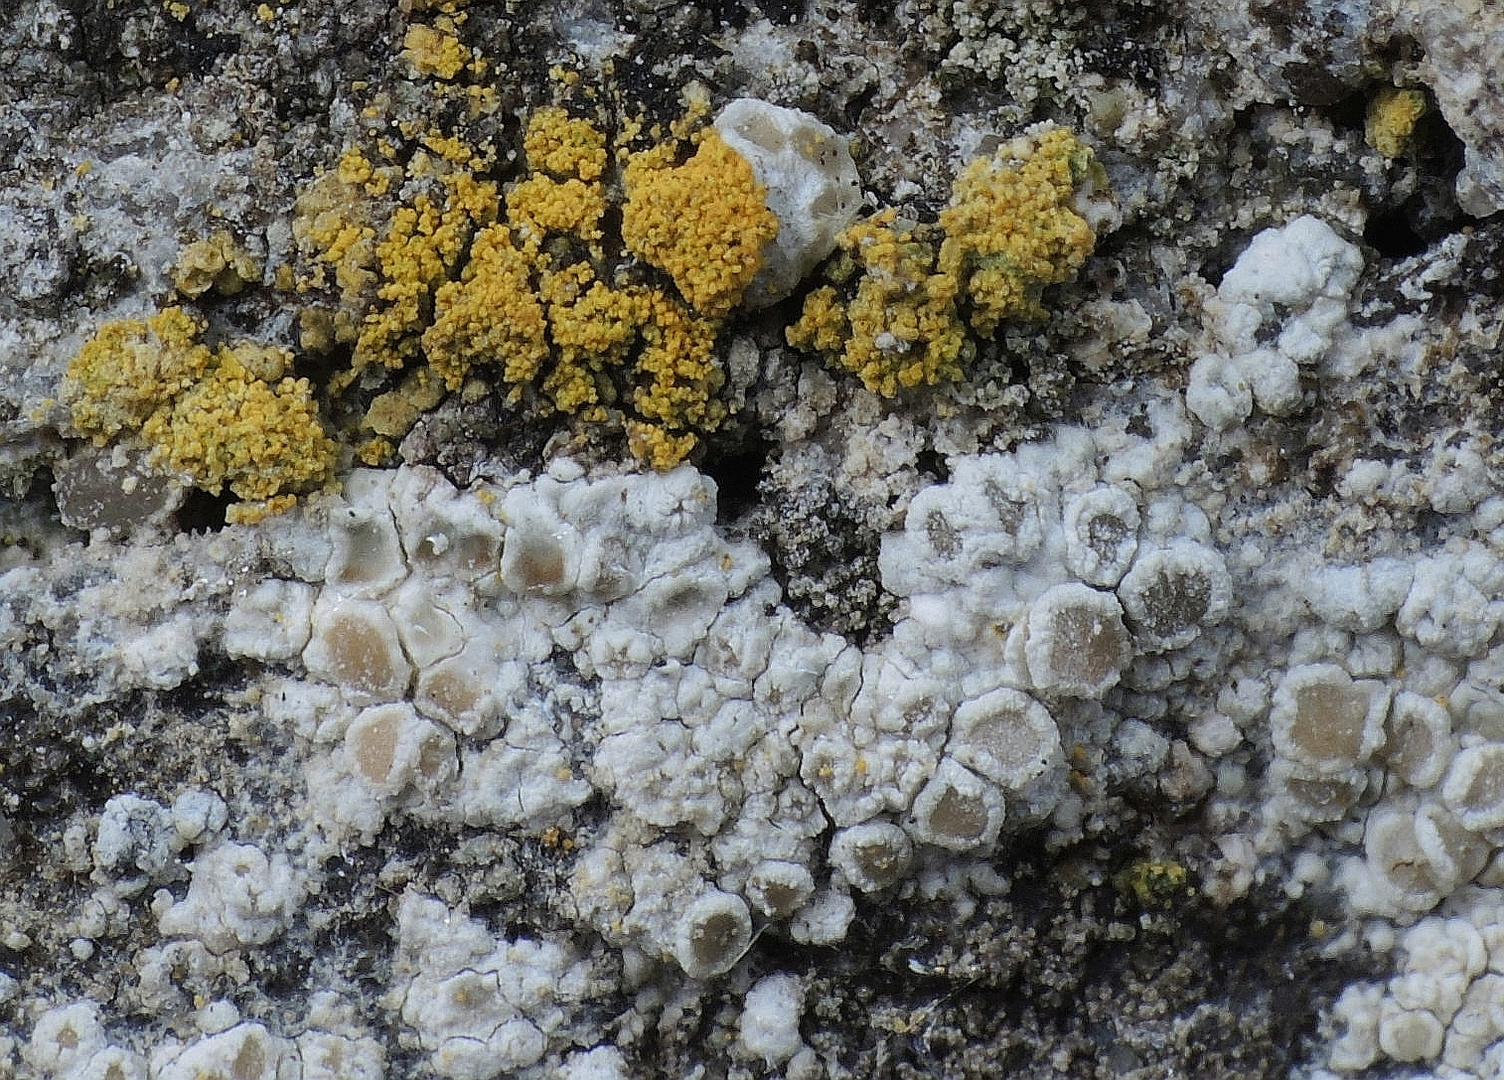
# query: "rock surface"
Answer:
x=447 y=631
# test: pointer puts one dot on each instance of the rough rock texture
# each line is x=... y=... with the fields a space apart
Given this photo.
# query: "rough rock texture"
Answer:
x=1126 y=707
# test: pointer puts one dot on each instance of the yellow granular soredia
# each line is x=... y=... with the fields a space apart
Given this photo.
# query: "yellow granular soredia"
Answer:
x=457 y=151
x=1011 y=227
x=555 y=143
x=216 y=262
x=392 y=415
x=541 y=205
x=1392 y=116
x=651 y=444
x=333 y=230
x=216 y=417
x=490 y=314
x=682 y=374
x=902 y=328
x=234 y=430
x=422 y=247
x=592 y=327
x=130 y=369
x=704 y=222
x=429 y=51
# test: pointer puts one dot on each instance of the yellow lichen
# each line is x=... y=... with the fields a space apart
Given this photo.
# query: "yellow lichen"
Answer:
x=130 y=369
x=524 y=290
x=1011 y=228
x=222 y=417
x=333 y=228
x=651 y=444
x=704 y=222
x=901 y=328
x=568 y=148
x=435 y=52
x=420 y=252
x=490 y=314
x=216 y=262
x=234 y=430
x=592 y=327
x=1154 y=883
x=1392 y=116
x=392 y=415
x=541 y=205
x=678 y=374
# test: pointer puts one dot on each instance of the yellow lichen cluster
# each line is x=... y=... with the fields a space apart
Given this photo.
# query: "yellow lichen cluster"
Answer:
x=1392 y=116
x=1011 y=228
x=467 y=281
x=704 y=223
x=216 y=262
x=218 y=417
x=435 y=50
x=901 y=328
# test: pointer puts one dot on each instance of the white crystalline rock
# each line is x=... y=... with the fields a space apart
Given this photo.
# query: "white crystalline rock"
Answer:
x=1101 y=534
x=161 y=656
x=670 y=755
x=244 y=1052
x=355 y=647
x=393 y=751
x=481 y=1006
x=712 y=934
x=1292 y=266
x=957 y=809
x=268 y=621
x=526 y=778
x=367 y=557
x=426 y=620
x=812 y=186
x=1474 y=787
x=1362 y=597
x=873 y=855
x=1456 y=600
x=113 y=1063
x=1355 y=1016
x=1219 y=391
x=64 y=1039
x=1008 y=737
x=236 y=896
x=1076 y=644
x=1459 y=43
x=770 y=1018
x=445 y=533
x=825 y=919
x=1301 y=272
x=1325 y=721
x=602 y=1063
x=1418 y=744
x=329 y=1056
x=135 y=836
